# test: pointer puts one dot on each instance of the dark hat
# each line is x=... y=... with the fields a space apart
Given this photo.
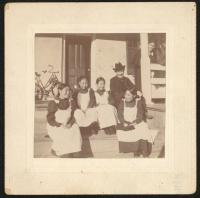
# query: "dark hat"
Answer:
x=118 y=67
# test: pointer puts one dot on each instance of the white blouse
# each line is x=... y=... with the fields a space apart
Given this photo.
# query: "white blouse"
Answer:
x=102 y=99
x=130 y=113
x=83 y=100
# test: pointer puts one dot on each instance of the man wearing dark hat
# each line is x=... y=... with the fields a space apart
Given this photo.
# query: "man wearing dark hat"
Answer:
x=119 y=84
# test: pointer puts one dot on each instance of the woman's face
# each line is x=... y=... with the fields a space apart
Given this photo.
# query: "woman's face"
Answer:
x=101 y=85
x=128 y=96
x=65 y=93
x=120 y=74
x=83 y=84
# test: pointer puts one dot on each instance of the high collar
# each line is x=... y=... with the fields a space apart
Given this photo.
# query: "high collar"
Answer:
x=63 y=103
x=83 y=90
x=101 y=92
x=130 y=104
x=122 y=78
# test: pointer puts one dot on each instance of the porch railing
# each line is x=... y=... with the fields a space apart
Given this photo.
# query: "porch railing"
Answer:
x=158 y=81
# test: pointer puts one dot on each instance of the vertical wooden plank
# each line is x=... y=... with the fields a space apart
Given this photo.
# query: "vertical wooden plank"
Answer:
x=88 y=61
x=145 y=68
x=75 y=61
x=72 y=64
x=66 y=60
x=78 y=60
x=93 y=63
x=82 y=60
x=63 y=66
x=80 y=56
x=84 y=66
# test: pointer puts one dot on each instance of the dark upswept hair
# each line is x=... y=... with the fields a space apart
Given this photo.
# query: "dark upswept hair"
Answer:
x=62 y=86
x=81 y=78
x=100 y=79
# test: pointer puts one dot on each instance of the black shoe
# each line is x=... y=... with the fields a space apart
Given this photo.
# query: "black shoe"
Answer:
x=76 y=155
x=149 y=116
x=110 y=130
x=47 y=136
x=66 y=155
x=137 y=154
x=53 y=152
x=94 y=128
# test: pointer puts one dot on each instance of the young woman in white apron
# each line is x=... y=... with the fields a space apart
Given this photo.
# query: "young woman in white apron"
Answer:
x=106 y=113
x=86 y=113
x=61 y=125
x=132 y=132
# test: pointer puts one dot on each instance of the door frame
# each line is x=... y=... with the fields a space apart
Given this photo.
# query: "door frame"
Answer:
x=74 y=39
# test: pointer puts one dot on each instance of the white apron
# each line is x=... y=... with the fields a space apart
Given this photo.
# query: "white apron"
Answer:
x=85 y=116
x=65 y=140
x=141 y=131
x=106 y=113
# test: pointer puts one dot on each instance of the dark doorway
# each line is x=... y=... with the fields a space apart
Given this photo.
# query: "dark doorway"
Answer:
x=134 y=58
x=77 y=58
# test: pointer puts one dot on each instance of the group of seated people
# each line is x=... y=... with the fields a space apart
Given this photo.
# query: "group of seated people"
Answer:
x=121 y=111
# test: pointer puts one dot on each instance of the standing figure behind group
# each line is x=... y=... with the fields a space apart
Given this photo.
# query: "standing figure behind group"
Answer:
x=119 y=84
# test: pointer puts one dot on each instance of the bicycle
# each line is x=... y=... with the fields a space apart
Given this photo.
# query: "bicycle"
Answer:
x=42 y=91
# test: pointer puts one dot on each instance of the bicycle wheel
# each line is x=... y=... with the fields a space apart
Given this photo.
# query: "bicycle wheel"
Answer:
x=39 y=93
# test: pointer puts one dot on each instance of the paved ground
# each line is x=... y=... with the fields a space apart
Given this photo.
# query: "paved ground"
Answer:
x=102 y=145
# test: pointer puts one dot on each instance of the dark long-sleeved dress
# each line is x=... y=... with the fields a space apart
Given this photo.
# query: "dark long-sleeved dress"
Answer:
x=92 y=99
x=62 y=128
x=54 y=106
x=132 y=132
x=118 y=86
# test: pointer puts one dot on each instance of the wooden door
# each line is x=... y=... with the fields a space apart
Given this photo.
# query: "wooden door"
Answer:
x=77 y=58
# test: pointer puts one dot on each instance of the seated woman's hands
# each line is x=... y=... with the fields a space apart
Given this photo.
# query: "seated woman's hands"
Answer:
x=125 y=124
x=66 y=126
x=128 y=127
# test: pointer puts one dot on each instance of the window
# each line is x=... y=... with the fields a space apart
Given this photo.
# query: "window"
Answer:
x=157 y=48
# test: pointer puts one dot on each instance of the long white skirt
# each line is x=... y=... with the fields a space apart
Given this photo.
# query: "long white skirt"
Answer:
x=106 y=115
x=141 y=132
x=141 y=138
x=65 y=140
x=87 y=118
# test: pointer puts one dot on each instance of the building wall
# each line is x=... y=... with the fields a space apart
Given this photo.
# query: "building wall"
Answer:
x=48 y=51
x=104 y=54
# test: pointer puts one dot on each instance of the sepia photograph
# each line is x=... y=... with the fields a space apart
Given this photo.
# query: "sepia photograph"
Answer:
x=100 y=95
x=100 y=98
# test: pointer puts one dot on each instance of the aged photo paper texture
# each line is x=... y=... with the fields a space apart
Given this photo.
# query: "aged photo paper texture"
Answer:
x=100 y=98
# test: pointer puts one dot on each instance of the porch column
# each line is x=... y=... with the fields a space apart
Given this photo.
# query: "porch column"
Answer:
x=145 y=68
x=93 y=61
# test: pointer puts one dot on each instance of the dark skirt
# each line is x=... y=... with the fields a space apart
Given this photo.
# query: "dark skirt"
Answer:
x=140 y=147
x=138 y=140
